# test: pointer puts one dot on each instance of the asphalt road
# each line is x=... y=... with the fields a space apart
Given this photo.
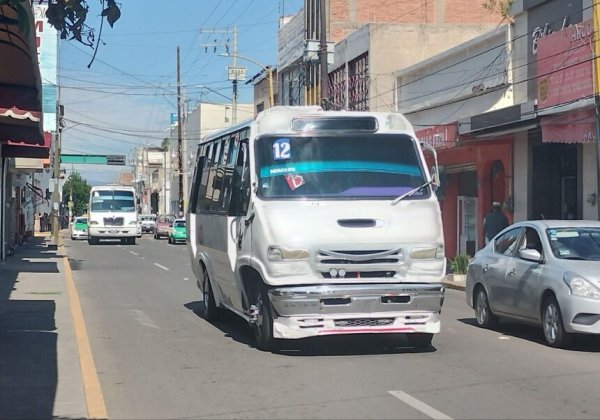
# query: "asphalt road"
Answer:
x=156 y=358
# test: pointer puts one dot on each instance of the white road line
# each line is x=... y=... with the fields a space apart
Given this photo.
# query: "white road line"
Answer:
x=161 y=266
x=185 y=278
x=419 y=406
x=134 y=253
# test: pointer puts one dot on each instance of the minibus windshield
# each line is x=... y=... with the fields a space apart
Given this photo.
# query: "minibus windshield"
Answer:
x=115 y=201
x=339 y=167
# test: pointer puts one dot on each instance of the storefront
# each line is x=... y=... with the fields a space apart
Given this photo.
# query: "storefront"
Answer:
x=20 y=104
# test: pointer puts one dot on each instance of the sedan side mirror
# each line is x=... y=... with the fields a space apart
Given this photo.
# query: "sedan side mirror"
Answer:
x=530 y=255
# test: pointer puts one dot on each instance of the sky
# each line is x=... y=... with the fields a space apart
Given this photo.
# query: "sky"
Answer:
x=125 y=99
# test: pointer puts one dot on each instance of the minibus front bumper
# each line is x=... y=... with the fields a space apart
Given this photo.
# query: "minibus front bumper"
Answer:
x=307 y=311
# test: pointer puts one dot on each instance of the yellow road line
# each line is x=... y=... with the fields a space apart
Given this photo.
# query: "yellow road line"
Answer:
x=91 y=384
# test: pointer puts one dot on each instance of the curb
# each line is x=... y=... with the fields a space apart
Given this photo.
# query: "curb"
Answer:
x=453 y=285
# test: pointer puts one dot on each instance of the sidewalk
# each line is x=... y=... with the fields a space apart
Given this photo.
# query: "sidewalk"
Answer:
x=40 y=374
x=454 y=284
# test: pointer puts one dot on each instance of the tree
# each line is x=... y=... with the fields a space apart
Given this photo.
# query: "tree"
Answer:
x=164 y=145
x=499 y=6
x=81 y=193
x=69 y=18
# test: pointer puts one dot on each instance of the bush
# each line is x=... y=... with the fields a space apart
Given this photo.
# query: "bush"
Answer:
x=459 y=264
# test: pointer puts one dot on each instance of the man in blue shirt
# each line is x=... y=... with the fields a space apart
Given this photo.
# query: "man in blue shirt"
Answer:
x=494 y=222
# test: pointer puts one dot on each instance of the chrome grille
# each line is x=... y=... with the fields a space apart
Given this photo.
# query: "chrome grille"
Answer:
x=363 y=322
x=113 y=221
x=389 y=256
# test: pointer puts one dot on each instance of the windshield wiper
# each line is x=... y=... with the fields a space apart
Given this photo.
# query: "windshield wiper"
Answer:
x=411 y=192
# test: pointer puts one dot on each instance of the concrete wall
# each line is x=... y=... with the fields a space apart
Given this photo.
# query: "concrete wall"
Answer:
x=455 y=86
x=521 y=178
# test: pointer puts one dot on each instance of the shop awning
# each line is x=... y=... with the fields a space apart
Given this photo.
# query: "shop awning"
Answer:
x=28 y=150
x=20 y=81
x=571 y=127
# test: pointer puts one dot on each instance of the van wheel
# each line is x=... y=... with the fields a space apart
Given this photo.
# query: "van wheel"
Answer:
x=552 y=324
x=263 y=325
x=419 y=340
x=210 y=312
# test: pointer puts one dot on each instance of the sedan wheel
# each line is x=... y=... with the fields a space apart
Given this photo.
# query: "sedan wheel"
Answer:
x=552 y=324
x=483 y=314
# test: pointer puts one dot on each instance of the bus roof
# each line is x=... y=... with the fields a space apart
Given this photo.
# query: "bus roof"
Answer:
x=112 y=187
x=278 y=120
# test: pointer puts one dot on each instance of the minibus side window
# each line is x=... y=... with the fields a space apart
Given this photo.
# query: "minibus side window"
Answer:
x=196 y=183
x=240 y=183
x=204 y=189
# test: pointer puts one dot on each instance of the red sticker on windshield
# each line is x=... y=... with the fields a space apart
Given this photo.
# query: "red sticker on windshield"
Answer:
x=294 y=181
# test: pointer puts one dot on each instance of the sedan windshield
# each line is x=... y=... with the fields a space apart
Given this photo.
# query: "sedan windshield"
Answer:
x=342 y=167
x=575 y=243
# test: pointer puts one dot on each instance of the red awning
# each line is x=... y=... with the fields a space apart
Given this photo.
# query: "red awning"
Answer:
x=571 y=127
x=20 y=81
x=28 y=150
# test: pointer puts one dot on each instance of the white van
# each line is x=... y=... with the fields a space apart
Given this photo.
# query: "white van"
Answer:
x=112 y=214
x=307 y=222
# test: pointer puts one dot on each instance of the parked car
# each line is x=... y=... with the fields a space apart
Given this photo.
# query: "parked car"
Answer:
x=545 y=273
x=79 y=228
x=162 y=225
x=148 y=222
x=177 y=232
x=138 y=232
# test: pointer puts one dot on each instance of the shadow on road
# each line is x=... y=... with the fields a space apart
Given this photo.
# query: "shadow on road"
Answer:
x=237 y=329
x=582 y=342
x=28 y=352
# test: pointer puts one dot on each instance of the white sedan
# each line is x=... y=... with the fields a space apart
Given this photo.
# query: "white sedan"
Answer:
x=545 y=273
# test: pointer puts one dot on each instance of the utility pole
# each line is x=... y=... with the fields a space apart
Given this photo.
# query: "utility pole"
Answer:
x=235 y=86
x=323 y=55
x=56 y=175
x=234 y=73
x=179 y=139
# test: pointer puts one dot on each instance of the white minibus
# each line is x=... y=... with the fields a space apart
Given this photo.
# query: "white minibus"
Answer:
x=112 y=214
x=307 y=222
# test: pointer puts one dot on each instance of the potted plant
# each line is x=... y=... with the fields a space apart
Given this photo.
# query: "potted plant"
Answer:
x=459 y=265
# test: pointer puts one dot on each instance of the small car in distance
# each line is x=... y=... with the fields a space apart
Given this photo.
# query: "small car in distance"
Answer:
x=148 y=222
x=177 y=232
x=544 y=273
x=79 y=228
x=162 y=225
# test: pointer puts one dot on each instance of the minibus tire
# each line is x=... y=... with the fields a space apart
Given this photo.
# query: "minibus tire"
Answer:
x=263 y=327
x=210 y=312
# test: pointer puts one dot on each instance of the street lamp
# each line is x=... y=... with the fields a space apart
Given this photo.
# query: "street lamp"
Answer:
x=265 y=68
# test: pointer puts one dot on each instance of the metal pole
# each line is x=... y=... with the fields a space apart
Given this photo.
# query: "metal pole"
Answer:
x=235 y=87
x=323 y=55
x=270 y=74
x=179 y=139
x=56 y=178
x=596 y=50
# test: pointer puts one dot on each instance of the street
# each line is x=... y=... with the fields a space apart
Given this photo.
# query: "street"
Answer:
x=156 y=358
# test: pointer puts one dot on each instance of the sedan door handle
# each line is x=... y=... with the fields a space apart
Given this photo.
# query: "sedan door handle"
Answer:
x=485 y=268
x=512 y=272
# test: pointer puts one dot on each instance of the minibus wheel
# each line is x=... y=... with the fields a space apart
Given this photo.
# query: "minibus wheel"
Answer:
x=263 y=324
x=209 y=307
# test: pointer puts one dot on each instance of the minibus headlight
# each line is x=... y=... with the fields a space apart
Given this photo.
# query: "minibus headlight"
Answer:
x=133 y=222
x=427 y=253
x=93 y=222
x=275 y=253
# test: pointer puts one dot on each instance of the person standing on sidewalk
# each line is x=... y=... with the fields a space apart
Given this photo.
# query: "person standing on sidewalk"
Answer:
x=494 y=222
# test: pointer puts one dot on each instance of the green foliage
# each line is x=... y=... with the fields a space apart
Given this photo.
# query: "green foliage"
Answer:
x=498 y=6
x=164 y=145
x=459 y=264
x=81 y=193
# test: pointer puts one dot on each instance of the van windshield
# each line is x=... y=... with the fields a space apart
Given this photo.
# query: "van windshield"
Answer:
x=114 y=201
x=346 y=167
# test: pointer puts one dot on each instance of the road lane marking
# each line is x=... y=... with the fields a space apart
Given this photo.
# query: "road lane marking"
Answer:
x=185 y=278
x=419 y=405
x=94 y=398
x=134 y=253
x=161 y=266
x=141 y=317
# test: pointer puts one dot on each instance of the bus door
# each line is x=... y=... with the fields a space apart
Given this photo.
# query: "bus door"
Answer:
x=238 y=243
